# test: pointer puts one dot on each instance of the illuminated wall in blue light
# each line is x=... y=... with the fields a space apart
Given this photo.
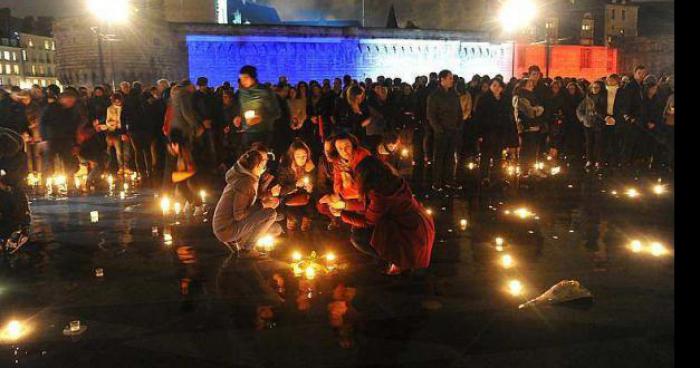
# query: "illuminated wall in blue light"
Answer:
x=306 y=58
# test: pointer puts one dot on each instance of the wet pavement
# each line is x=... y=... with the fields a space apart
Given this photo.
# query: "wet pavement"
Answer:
x=188 y=303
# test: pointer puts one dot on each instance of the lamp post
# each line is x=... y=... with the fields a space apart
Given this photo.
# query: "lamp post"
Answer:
x=514 y=16
x=107 y=12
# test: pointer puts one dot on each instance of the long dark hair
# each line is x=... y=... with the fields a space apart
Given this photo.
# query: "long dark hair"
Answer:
x=297 y=144
x=375 y=175
x=334 y=155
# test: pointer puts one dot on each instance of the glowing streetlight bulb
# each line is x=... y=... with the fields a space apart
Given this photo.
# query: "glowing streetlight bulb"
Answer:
x=636 y=246
x=296 y=256
x=657 y=249
x=516 y=14
x=515 y=287
x=13 y=330
x=115 y=11
x=507 y=261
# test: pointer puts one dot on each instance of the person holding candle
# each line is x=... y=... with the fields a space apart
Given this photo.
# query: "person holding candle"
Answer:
x=241 y=217
x=392 y=225
x=297 y=175
x=345 y=155
x=259 y=108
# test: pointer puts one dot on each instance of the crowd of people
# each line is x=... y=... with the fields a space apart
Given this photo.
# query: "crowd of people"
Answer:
x=329 y=147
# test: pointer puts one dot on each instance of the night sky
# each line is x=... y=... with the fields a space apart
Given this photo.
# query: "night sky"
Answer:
x=288 y=9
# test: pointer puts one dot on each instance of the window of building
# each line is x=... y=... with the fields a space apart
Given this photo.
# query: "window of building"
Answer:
x=8 y=69
x=24 y=55
x=7 y=55
x=41 y=69
x=16 y=69
x=47 y=45
x=30 y=43
x=53 y=45
x=586 y=58
x=14 y=56
x=34 y=70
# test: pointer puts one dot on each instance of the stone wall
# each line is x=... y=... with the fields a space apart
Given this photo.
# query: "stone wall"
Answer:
x=305 y=53
x=145 y=50
x=656 y=53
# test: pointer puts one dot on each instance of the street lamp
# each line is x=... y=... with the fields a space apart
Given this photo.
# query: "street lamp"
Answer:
x=110 y=12
x=515 y=15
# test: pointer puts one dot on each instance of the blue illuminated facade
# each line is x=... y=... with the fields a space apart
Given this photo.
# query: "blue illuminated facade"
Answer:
x=219 y=57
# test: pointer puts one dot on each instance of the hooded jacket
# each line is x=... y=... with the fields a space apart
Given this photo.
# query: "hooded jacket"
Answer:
x=236 y=201
x=264 y=103
x=183 y=116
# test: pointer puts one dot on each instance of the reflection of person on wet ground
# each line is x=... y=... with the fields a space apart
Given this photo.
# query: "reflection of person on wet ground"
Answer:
x=393 y=226
x=241 y=217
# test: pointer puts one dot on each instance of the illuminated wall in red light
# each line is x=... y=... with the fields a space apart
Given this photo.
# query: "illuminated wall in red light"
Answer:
x=590 y=62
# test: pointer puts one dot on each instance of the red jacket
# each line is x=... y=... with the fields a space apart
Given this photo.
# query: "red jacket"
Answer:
x=351 y=191
x=403 y=232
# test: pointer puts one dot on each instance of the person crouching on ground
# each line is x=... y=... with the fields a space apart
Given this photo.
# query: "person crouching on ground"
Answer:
x=14 y=206
x=297 y=175
x=240 y=218
x=392 y=226
x=346 y=153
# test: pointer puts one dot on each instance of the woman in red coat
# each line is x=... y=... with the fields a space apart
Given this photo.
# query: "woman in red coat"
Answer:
x=345 y=154
x=392 y=226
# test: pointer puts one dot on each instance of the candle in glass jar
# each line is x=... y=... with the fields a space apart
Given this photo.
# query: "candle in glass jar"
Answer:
x=94 y=216
x=250 y=114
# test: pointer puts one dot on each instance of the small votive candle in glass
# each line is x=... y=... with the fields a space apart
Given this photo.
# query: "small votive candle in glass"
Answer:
x=74 y=326
x=99 y=272
x=94 y=216
x=250 y=114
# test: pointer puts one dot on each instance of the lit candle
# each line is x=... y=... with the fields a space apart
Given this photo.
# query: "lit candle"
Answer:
x=266 y=243
x=636 y=246
x=632 y=193
x=126 y=187
x=99 y=272
x=76 y=181
x=555 y=170
x=659 y=189
x=330 y=261
x=94 y=216
x=250 y=114
x=306 y=180
x=177 y=208
x=296 y=256
x=167 y=236
x=471 y=166
x=203 y=195
x=657 y=249
x=515 y=287
x=507 y=261
x=463 y=224
x=122 y=195
x=310 y=273
x=404 y=153
x=429 y=212
x=74 y=326
x=165 y=205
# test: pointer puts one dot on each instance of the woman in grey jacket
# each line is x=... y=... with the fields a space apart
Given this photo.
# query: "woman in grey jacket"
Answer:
x=592 y=112
x=240 y=217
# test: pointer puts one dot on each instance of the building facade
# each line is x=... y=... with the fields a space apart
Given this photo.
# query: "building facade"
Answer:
x=27 y=60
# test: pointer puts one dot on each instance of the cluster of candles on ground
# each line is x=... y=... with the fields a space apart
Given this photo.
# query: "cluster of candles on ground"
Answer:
x=59 y=185
x=514 y=286
x=654 y=248
x=311 y=266
x=657 y=190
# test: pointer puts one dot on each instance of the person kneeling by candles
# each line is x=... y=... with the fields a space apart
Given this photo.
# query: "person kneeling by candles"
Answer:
x=297 y=174
x=393 y=226
x=14 y=206
x=241 y=217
